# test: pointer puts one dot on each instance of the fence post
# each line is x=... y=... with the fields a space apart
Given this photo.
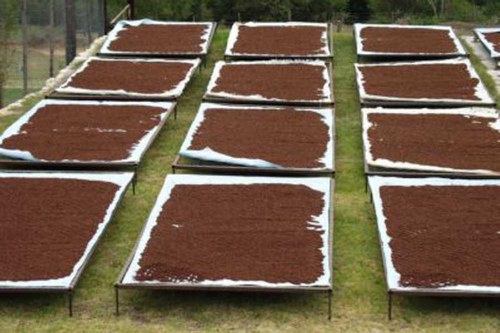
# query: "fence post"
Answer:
x=24 y=22
x=51 y=38
x=132 y=9
x=88 y=20
x=104 y=6
x=70 y=20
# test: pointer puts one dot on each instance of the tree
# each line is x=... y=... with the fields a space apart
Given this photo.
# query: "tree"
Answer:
x=358 y=11
x=9 y=16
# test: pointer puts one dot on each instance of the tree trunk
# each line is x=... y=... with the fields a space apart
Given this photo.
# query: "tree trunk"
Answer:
x=88 y=19
x=70 y=19
x=24 y=21
x=434 y=8
x=51 y=37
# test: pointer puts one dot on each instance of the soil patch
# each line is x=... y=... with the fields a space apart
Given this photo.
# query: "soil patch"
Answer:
x=238 y=232
x=262 y=134
x=494 y=38
x=160 y=38
x=130 y=76
x=47 y=223
x=282 y=41
x=444 y=235
x=453 y=141
x=407 y=40
x=451 y=81
x=85 y=132
x=288 y=82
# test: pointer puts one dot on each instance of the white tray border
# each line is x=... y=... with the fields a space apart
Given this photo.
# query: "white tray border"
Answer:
x=135 y=154
x=488 y=45
x=358 y=27
x=392 y=275
x=208 y=154
x=234 y=34
x=327 y=92
x=321 y=222
x=385 y=163
x=480 y=90
x=122 y=179
x=176 y=91
x=124 y=24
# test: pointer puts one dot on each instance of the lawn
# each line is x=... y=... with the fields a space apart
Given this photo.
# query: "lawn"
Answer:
x=360 y=301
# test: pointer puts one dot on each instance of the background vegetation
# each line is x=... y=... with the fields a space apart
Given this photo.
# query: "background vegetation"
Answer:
x=316 y=10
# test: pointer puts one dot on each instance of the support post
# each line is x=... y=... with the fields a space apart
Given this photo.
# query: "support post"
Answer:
x=134 y=180
x=389 y=306
x=24 y=22
x=70 y=23
x=330 y=295
x=70 y=303
x=117 y=301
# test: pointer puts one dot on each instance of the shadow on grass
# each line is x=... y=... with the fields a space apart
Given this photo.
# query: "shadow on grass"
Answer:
x=33 y=303
x=437 y=306
x=193 y=304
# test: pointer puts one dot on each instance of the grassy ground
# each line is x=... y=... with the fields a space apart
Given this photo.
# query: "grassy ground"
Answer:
x=359 y=287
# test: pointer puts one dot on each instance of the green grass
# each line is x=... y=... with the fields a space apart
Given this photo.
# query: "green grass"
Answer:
x=359 y=287
x=483 y=72
x=13 y=94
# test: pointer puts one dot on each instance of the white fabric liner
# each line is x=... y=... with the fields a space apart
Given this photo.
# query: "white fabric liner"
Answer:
x=122 y=179
x=125 y=24
x=234 y=34
x=385 y=163
x=176 y=91
x=327 y=92
x=208 y=154
x=358 y=27
x=480 y=32
x=135 y=153
x=480 y=89
x=392 y=275
x=319 y=223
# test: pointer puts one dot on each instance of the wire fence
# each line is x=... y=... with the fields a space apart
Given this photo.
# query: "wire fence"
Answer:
x=36 y=48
